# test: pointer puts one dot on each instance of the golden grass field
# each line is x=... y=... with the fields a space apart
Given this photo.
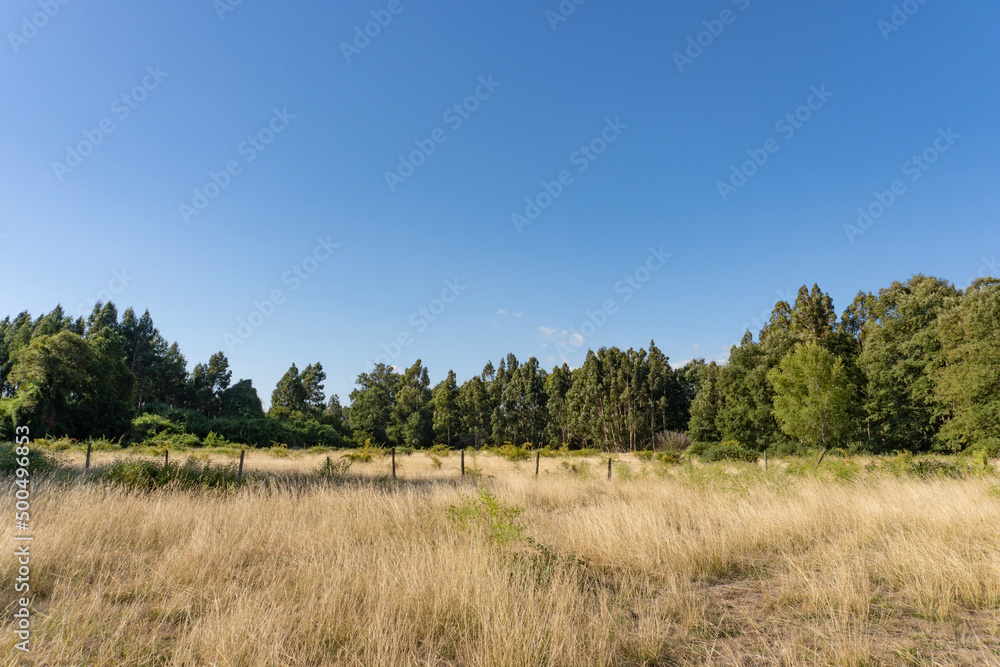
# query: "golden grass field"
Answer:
x=715 y=564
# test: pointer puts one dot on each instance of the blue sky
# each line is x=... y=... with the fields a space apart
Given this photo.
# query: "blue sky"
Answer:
x=633 y=138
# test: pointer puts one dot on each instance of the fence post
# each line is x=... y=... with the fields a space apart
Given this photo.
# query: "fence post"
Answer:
x=166 y=458
x=243 y=453
x=394 y=463
x=463 y=463
x=86 y=465
x=609 y=468
x=538 y=457
x=765 y=460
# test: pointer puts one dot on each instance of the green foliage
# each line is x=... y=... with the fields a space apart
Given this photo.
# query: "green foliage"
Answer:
x=988 y=447
x=241 y=401
x=147 y=425
x=146 y=475
x=39 y=461
x=440 y=450
x=968 y=383
x=512 y=452
x=488 y=516
x=366 y=454
x=730 y=451
x=901 y=355
x=812 y=395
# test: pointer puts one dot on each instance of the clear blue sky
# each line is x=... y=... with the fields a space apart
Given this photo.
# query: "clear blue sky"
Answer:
x=323 y=175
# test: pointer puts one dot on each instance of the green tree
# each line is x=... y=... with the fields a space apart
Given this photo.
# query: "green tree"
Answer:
x=475 y=411
x=313 y=378
x=900 y=353
x=446 y=413
x=812 y=397
x=557 y=386
x=411 y=421
x=241 y=400
x=968 y=382
x=290 y=393
x=372 y=403
x=705 y=406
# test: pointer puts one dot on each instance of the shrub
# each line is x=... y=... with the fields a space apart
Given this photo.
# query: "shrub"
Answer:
x=989 y=447
x=512 y=452
x=38 y=461
x=440 y=450
x=671 y=441
x=174 y=441
x=145 y=426
x=698 y=448
x=365 y=454
x=499 y=522
x=730 y=451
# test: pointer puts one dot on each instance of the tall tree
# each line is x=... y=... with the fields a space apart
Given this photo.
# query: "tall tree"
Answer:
x=812 y=395
x=901 y=351
x=313 y=378
x=968 y=382
x=446 y=413
x=557 y=386
x=290 y=393
x=372 y=402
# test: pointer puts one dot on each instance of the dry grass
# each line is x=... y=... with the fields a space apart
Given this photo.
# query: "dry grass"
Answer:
x=716 y=565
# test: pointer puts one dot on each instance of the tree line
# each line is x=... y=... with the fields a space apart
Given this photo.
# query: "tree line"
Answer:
x=914 y=367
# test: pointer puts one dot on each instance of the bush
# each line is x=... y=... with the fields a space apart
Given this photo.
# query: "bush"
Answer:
x=988 y=447
x=174 y=441
x=38 y=461
x=489 y=516
x=730 y=451
x=671 y=441
x=440 y=450
x=698 y=448
x=512 y=452
x=147 y=425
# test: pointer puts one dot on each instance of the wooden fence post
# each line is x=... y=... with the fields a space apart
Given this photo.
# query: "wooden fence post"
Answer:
x=765 y=460
x=166 y=458
x=86 y=465
x=463 y=463
x=609 y=468
x=394 y=463
x=538 y=457
x=239 y=475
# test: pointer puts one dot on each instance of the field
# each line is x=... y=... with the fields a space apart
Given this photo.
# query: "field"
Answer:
x=865 y=562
